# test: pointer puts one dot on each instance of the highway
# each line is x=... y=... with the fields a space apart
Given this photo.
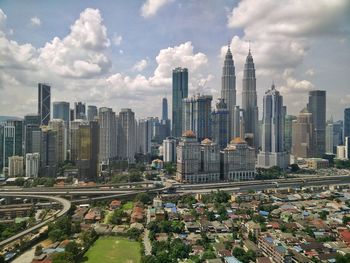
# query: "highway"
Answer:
x=65 y=207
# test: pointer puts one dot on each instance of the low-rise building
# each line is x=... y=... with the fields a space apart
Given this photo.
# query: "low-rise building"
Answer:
x=317 y=163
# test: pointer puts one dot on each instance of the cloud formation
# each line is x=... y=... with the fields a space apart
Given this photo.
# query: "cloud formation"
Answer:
x=151 y=7
x=35 y=21
x=281 y=34
x=140 y=65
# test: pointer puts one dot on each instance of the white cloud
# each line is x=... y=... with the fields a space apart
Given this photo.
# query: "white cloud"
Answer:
x=35 y=21
x=78 y=68
x=117 y=40
x=150 y=7
x=81 y=53
x=140 y=65
x=281 y=34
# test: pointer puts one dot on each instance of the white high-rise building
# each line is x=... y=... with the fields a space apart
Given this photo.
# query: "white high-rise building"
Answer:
x=15 y=168
x=108 y=134
x=32 y=164
x=127 y=136
x=272 y=140
x=169 y=149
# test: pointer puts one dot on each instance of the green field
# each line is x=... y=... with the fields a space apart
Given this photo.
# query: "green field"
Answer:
x=113 y=249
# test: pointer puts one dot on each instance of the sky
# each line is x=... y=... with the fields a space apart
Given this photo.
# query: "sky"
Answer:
x=120 y=54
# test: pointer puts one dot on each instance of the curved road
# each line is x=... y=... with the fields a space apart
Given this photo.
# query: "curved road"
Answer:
x=65 y=207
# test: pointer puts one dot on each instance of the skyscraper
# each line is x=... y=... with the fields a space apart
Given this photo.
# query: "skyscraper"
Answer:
x=44 y=103
x=196 y=115
x=249 y=103
x=59 y=126
x=48 y=152
x=180 y=91
x=144 y=135
x=91 y=112
x=302 y=135
x=288 y=130
x=228 y=88
x=61 y=111
x=346 y=123
x=79 y=110
x=108 y=134
x=164 y=109
x=127 y=145
x=31 y=127
x=220 y=124
x=334 y=136
x=169 y=149
x=87 y=150
x=272 y=145
x=317 y=106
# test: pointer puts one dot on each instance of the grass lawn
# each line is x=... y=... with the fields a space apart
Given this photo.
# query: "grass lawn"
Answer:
x=128 y=205
x=112 y=250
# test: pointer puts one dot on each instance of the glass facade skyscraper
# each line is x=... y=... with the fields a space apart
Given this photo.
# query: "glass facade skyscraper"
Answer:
x=44 y=103
x=180 y=91
x=317 y=106
x=61 y=111
x=346 y=123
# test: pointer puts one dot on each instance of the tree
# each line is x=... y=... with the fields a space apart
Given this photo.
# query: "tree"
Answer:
x=346 y=219
x=343 y=259
x=134 y=233
x=56 y=235
x=73 y=249
x=208 y=254
x=143 y=198
x=38 y=250
x=294 y=168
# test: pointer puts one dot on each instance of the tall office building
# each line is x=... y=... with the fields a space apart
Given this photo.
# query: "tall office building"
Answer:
x=347 y=147
x=91 y=112
x=74 y=138
x=288 y=131
x=249 y=103
x=228 y=89
x=144 y=135
x=79 y=110
x=180 y=91
x=18 y=143
x=31 y=128
x=61 y=111
x=108 y=134
x=48 y=152
x=238 y=161
x=196 y=115
x=302 y=135
x=87 y=150
x=334 y=136
x=346 y=122
x=127 y=142
x=32 y=164
x=59 y=126
x=164 y=109
x=169 y=150
x=272 y=140
x=317 y=106
x=220 y=124
x=44 y=103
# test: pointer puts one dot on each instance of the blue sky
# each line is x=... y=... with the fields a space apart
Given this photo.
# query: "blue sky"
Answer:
x=120 y=53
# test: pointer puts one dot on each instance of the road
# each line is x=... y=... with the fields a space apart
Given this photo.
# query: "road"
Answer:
x=65 y=207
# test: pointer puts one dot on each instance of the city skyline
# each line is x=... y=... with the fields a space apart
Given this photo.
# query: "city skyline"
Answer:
x=114 y=69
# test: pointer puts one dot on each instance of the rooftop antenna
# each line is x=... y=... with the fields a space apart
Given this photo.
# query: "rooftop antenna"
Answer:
x=249 y=45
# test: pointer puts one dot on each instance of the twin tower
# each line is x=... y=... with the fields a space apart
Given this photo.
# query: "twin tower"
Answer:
x=242 y=122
